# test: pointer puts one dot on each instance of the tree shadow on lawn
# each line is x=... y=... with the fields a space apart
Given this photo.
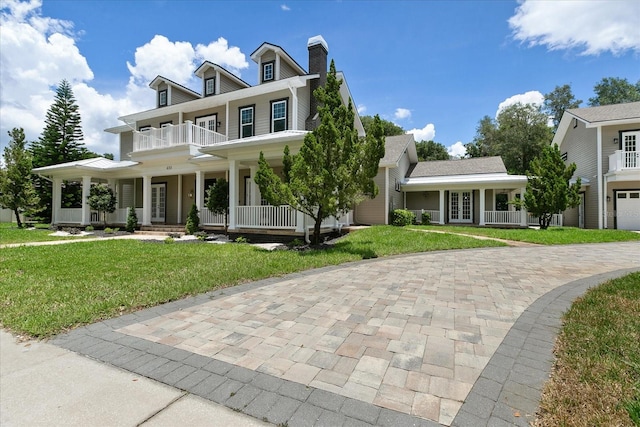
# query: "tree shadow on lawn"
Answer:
x=341 y=246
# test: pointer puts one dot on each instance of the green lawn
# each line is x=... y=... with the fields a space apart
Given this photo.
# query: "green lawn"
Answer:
x=44 y=289
x=10 y=233
x=550 y=236
x=596 y=378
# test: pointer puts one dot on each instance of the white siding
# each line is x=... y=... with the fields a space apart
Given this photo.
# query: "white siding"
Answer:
x=286 y=70
x=303 y=107
x=228 y=85
x=179 y=96
x=372 y=211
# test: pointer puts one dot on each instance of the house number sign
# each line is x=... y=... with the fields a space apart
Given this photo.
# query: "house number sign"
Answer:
x=169 y=168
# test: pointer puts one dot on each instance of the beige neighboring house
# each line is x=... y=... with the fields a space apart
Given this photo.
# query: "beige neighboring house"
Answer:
x=171 y=154
x=604 y=143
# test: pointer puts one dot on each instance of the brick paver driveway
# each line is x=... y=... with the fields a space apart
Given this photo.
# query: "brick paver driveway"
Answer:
x=367 y=341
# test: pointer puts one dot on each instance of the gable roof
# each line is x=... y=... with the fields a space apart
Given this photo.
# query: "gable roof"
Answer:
x=280 y=51
x=208 y=64
x=159 y=79
x=605 y=113
x=394 y=147
x=474 y=166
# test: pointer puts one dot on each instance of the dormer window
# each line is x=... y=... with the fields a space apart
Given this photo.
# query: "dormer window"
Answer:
x=162 y=98
x=210 y=86
x=267 y=71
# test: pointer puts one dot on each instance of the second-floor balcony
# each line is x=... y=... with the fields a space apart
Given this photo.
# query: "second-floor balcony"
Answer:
x=174 y=135
x=624 y=160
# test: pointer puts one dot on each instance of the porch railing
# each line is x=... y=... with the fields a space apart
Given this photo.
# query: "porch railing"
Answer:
x=280 y=217
x=120 y=216
x=434 y=214
x=556 y=220
x=174 y=135
x=209 y=218
x=622 y=160
x=69 y=216
x=503 y=217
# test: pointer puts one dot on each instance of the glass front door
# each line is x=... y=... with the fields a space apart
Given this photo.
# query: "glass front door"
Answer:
x=460 y=206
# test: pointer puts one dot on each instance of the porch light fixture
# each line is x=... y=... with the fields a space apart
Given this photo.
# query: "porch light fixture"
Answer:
x=615 y=140
x=191 y=194
x=218 y=124
x=608 y=199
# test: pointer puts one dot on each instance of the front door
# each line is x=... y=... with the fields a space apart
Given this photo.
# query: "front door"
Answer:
x=158 y=202
x=630 y=142
x=209 y=123
x=460 y=206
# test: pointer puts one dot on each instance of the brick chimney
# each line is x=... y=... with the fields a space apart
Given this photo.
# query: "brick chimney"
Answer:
x=318 y=50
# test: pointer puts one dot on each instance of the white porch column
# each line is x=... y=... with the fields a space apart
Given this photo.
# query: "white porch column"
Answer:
x=199 y=197
x=605 y=220
x=482 y=203
x=523 y=211
x=294 y=108
x=179 y=216
x=233 y=193
x=146 y=200
x=86 y=209
x=441 y=207
x=255 y=190
x=601 y=199
x=56 y=200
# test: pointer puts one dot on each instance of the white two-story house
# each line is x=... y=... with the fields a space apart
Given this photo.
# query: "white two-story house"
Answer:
x=604 y=143
x=171 y=154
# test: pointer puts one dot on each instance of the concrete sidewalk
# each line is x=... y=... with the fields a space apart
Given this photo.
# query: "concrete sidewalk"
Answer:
x=45 y=385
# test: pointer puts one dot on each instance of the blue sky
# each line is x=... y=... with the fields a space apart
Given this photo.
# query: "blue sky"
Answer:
x=433 y=67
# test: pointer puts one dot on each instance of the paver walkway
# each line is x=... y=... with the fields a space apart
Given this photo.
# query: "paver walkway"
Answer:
x=392 y=341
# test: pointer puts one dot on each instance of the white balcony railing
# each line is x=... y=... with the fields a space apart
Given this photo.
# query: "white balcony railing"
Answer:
x=280 y=217
x=622 y=160
x=174 y=135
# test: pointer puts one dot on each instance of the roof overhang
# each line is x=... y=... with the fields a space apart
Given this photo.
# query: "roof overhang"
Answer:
x=241 y=147
x=98 y=165
x=490 y=180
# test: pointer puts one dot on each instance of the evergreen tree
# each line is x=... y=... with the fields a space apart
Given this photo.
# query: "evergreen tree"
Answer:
x=132 y=220
x=335 y=167
x=548 y=189
x=193 y=220
x=61 y=142
x=16 y=189
x=217 y=200
x=557 y=101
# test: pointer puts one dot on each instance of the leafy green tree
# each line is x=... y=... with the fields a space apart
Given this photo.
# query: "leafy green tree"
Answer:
x=334 y=169
x=557 y=101
x=614 y=90
x=217 y=200
x=517 y=135
x=16 y=189
x=548 y=189
x=390 y=128
x=61 y=142
x=193 y=220
x=102 y=199
x=431 y=150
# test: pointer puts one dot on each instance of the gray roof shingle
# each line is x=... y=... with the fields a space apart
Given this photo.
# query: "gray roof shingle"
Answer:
x=604 y=113
x=478 y=165
x=394 y=146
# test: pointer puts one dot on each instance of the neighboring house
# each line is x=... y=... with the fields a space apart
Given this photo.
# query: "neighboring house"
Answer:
x=171 y=154
x=604 y=143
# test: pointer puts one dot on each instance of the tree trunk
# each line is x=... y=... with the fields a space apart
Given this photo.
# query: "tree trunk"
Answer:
x=15 y=211
x=316 y=232
x=226 y=222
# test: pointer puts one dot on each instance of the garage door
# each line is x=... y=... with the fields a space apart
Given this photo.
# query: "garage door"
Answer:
x=628 y=210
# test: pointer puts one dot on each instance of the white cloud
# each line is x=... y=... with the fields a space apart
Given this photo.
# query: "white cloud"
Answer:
x=457 y=150
x=285 y=7
x=533 y=97
x=591 y=27
x=402 y=113
x=37 y=52
x=427 y=133
x=361 y=108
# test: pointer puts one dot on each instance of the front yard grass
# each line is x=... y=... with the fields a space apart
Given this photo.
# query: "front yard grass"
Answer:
x=596 y=377
x=550 y=236
x=45 y=290
x=10 y=233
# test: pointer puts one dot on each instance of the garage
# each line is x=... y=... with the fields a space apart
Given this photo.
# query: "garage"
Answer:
x=628 y=210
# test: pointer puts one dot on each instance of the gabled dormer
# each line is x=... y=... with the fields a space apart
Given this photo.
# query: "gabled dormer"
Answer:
x=275 y=64
x=217 y=80
x=171 y=93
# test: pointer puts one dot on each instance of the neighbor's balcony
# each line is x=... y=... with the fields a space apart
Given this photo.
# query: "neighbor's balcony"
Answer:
x=175 y=135
x=623 y=160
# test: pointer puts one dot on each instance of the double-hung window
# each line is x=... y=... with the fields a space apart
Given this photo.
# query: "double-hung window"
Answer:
x=246 y=122
x=210 y=86
x=279 y=115
x=162 y=98
x=267 y=71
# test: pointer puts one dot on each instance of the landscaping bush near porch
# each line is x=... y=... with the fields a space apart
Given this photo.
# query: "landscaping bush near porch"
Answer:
x=45 y=290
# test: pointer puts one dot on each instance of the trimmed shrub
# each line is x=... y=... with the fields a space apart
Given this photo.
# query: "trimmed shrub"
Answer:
x=89 y=228
x=108 y=230
x=193 y=220
x=402 y=217
x=132 y=220
x=169 y=240
x=426 y=218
